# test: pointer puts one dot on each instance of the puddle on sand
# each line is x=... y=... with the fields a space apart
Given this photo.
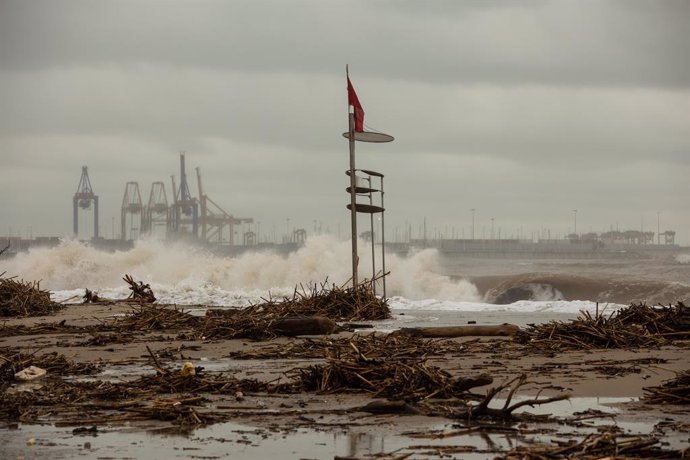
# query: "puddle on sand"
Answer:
x=237 y=367
x=235 y=440
x=231 y=440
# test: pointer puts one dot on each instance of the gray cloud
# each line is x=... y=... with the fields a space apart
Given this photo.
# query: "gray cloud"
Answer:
x=521 y=110
x=567 y=42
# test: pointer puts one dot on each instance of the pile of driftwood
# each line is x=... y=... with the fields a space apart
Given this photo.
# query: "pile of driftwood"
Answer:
x=671 y=322
x=350 y=304
x=375 y=346
x=310 y=311
x=153 y=318
x=674 y=391
x=634 y=326
x=19 y=298
x=597 y=446
x=399 y=379
x=141 y=293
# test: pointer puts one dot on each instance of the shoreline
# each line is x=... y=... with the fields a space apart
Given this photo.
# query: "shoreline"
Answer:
x=259 y=422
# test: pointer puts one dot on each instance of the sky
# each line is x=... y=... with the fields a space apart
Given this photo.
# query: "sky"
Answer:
x=538 y=115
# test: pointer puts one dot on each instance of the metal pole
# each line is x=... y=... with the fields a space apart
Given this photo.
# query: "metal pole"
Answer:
x=353 y=209
x=658 y=228
x=472 y=223
x=373 y=241
x=383 y=242
x=575 y=223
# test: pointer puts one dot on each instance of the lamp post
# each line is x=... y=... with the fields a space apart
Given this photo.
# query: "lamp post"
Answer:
x=472 y=223
x=575 y=217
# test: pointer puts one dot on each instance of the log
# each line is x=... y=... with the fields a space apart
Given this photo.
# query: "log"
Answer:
x=467 y=383
x=388 y=407
x=310 y=325
x=460 y=331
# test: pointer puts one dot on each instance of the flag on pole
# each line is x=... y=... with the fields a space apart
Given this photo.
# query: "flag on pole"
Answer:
x=353 y=100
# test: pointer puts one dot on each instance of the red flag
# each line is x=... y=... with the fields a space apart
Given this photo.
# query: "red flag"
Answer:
x=353 y=100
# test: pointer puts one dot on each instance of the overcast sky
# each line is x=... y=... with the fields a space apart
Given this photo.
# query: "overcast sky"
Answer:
x=521 y=110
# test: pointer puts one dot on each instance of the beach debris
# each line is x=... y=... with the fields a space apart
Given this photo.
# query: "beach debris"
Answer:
x=372 y=345
x=460 y=331
x=673 y=391
x=153 y=318
x=140 y=292
x=397 y=379
x=91 y=296
x=482 y=409
x=30 y=373
x=188 y=369
x=598 y=446
x=312 y=325
x=12 y=361
x=264 y=321
x=638 y=325
x=19 y=298
x=384 y=406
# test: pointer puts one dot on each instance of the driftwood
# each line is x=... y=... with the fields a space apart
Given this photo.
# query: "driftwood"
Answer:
x=91 y=297
x=257 y=322
x=312 y=325
x=373 y=345
x=598 y=446
x=460 y=331
x=397 y=379
x=506 y=412
x=388 y=407
x=19 y=298
x=674 y=391
x=634 y=326
x=5 y=248
x=140 y=292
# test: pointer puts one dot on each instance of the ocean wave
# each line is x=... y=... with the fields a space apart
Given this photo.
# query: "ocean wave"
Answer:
x=185 y=274
x=522 y=306
x=182 y=268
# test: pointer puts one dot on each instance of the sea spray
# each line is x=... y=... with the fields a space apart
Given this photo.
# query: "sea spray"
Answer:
x=683 y=258
x=186 y=274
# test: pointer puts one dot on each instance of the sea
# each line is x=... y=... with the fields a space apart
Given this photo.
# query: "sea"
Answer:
x=424 y=286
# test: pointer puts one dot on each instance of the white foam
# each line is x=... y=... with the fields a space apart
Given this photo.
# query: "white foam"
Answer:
x=683 y=258
x=522 y=306
x=183 y=274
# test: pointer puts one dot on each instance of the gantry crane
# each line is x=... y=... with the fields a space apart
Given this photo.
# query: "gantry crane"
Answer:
x=83 y=199
x=132 y=207
x=157 y=211
x=185 y=209
x=215 y=220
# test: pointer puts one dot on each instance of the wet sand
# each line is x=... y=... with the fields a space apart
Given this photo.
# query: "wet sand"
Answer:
x=310 y=425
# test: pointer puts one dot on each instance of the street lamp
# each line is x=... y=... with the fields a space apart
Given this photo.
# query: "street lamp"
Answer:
x=473 y=223
x=575 y=214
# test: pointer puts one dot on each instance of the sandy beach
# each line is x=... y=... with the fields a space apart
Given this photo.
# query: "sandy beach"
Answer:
x=604 y=388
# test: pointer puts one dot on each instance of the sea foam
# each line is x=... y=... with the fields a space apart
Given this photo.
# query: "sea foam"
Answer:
x=180 y=273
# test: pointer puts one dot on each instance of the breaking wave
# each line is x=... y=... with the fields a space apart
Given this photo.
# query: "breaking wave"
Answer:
x=605 y=289
x=184 y=274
